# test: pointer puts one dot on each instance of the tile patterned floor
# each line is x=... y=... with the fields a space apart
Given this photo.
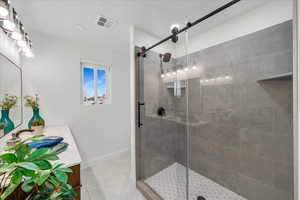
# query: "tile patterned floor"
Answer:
x=109 y=180
x=170 y=184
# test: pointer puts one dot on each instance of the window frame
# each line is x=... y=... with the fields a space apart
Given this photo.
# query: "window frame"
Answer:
x=96 y=67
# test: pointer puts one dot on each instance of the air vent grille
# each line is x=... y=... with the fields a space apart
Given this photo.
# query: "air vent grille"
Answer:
x=105 y=21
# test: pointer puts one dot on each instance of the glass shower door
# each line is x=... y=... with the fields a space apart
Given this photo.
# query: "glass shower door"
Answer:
x=240 y=113
x=161 y=121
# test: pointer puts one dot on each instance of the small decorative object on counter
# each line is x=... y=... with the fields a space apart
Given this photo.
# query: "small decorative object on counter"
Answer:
x=2 y=125
x=32 y=171
x=37 y=127
x=46 y=142
x=33 y=102
x=6 y=104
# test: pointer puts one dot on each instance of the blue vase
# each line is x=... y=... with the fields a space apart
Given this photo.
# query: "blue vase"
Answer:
x=36 y=116
x=8 y=124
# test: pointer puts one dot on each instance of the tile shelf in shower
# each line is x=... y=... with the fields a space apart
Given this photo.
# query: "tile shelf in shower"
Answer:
x=171 y=85
x=279 y=77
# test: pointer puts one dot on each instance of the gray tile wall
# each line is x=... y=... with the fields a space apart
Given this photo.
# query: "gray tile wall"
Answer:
x=246 y=144
x=244 y=140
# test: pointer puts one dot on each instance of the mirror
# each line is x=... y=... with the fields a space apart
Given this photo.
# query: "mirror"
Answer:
x=10 y=84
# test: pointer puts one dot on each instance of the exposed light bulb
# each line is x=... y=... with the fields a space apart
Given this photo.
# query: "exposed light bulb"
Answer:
x=26 y=49
x=175 y=26
x=178 y=71
x=8 y=25
x=194 y=67
x=162 y=75
x=21 y=43
x=186 y=69
x=3 y=12
x=16 y=35
x=29 y=54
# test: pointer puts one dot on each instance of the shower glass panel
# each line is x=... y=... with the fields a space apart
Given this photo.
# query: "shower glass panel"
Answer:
x=215 y=113
x=240 y=112
x=161 y=122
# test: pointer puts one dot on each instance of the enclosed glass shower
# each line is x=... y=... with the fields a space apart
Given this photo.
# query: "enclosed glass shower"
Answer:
x=214 y=121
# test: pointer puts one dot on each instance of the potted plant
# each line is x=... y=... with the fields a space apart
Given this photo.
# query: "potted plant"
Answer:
x=37 y=126
x=2 y=125
x=6 y=104
x=33 y=102
x=32 y=172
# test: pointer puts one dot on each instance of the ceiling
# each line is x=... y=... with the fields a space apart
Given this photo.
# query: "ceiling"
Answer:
x=76 y=19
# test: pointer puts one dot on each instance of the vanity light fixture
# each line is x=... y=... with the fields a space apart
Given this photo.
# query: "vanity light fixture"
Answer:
x=16 y=34
x=13 y=27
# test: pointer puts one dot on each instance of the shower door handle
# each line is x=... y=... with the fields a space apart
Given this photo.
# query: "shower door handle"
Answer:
x=139 y=114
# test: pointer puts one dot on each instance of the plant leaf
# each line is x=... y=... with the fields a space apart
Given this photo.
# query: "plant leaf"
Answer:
x=7 y=168
x=8 y=158
x=17 y=177
x=28 y=165
x=43 y=164
x=43 y=176
x=27 y=186
x=61 y=176
x=36 y=154
x=28 y=173
x=50 y=157
x=66 y=170
x=22 y=152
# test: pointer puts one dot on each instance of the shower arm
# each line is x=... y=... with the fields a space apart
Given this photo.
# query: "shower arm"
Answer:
x=188 y=26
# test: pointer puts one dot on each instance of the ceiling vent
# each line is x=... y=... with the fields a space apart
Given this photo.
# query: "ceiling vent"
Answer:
x=105 y=21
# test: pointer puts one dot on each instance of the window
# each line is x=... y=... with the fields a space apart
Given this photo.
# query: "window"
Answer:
x=95 y=84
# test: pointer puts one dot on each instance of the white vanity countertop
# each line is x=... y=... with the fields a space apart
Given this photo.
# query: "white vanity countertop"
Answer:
x=71 y=156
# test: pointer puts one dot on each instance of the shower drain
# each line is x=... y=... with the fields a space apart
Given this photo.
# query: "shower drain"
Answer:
x=200 y=198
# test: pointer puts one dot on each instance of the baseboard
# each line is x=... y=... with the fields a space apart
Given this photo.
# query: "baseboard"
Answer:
x=91 y=162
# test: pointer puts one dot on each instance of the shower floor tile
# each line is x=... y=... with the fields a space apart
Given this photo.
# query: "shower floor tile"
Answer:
x=170 y=184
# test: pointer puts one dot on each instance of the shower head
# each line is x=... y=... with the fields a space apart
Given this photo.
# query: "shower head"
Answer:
x=166 y=57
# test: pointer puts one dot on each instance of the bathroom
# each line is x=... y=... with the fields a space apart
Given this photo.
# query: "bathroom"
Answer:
x=166 y=99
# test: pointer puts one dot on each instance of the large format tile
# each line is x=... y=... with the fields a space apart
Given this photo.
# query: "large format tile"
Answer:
x=109 y=180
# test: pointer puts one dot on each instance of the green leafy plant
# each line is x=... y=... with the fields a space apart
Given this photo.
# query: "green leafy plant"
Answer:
x=38 y=122
x=2 y=125
x=8 y=102
x=32 y=102
x=34 y=173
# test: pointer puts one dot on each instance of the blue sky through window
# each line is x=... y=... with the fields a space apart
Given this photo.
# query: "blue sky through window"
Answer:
x=88 y=79
x=101 y=85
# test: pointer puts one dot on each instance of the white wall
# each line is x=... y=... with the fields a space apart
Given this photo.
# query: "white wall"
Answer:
x=144 y=38
x=272 y=13
x=9 y=49
x=54 y=74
